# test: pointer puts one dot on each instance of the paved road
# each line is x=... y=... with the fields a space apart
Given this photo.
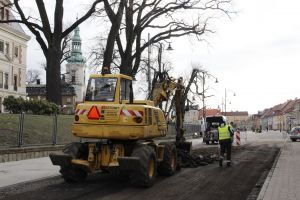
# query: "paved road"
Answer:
x=249 y=163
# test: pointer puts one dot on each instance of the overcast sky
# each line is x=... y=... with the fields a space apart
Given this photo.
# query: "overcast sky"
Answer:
x=255 y=54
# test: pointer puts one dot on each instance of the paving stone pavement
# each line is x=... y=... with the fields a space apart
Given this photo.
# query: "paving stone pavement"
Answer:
x=284 y=182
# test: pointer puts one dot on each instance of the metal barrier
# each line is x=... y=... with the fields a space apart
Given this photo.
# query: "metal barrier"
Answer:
x=19 y=130
x=189 y=128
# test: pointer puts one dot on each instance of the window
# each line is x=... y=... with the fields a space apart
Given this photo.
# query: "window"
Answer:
x=7 y=48
x=101 y=89
x=6 y=81
x=73 y=76
x=15 y=82
x=1 y=80
x=7 y=14
x=20 y=75
x=20 y=55
x=2 y=46
x=125 y=89
x=2 y=13
x=69 y=100
x=16 y=52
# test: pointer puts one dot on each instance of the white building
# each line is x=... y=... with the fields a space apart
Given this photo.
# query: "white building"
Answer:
x=76 y=68
x=13 y=48
x=192 y=117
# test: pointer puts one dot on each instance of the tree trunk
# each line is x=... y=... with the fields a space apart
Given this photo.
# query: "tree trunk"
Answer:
x=113 y=33
x=53 y=82
x=126 y=66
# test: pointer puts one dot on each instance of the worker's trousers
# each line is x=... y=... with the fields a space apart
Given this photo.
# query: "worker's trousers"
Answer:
x=225 y=147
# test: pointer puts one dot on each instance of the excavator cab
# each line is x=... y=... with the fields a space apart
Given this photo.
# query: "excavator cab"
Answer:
x=110 y=89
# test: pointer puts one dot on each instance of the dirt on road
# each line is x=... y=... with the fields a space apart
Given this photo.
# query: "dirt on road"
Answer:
x=249 y=164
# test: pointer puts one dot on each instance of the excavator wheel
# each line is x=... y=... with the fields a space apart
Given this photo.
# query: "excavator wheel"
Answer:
x=73 y=175
x=169 y=164
x=145 y=176
x=70 y=173
x=77 y=150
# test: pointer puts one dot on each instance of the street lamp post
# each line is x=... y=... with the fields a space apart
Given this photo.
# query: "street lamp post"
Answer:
x=204 y=73
x=225 y=103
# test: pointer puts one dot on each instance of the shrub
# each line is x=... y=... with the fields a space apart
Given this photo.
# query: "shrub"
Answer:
x=37 y=107
x=12 y=104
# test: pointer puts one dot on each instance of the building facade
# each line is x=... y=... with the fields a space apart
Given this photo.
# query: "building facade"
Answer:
x=13 y=48
x=239 y=118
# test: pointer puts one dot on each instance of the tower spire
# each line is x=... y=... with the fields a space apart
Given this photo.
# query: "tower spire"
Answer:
x=76 y=54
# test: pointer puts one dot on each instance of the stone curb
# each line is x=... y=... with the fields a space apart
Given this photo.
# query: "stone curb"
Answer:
x=23 y=153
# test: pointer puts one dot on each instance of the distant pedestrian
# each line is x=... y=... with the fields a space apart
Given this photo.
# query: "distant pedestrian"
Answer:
x=226 y=134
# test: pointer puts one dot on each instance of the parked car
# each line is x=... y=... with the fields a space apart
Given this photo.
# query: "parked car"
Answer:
x=295 y=133
x=211 y=133
x=197 y=135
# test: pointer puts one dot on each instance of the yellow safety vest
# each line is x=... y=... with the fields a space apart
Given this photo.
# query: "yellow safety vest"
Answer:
x=224 y=133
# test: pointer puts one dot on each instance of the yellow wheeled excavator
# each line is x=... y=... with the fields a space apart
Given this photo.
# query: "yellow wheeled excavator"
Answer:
x=119 y=132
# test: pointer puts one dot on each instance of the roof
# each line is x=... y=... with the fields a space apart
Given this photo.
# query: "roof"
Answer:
x=209 y=112
x=289 y=107
x=236 y=113
x=280 y=109
x=40 y=90
x=14 y=27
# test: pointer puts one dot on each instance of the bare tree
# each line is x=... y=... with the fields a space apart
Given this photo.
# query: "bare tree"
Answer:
x=66 y=48
x=96 y=57
x=187 y=90
x=49 y=38
x=166 y=19
x=32 y=76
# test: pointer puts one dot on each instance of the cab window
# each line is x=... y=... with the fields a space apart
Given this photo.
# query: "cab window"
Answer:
x=125 y=89
x=101 y=89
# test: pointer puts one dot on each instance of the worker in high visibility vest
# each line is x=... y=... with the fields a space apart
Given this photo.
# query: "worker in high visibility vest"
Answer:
x=225 y=140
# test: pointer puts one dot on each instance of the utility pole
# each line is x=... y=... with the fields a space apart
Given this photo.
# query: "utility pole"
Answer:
x=148 y=66
x=225 y=101
x=203 y=99
x=159 y=56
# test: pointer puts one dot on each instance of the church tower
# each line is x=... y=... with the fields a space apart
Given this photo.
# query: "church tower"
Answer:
x=76 y=67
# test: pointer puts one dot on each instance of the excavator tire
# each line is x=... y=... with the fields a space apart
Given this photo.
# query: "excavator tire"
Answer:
x=77 y=150
x=169 y=164
x=73 y=175
x=146 y=175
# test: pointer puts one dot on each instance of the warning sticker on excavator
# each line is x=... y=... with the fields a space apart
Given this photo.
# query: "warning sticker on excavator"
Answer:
x=132 y=113
x=80 y=112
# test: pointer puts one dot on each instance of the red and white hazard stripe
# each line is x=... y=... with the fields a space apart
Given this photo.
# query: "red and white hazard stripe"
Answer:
x=238 y=138
x=81 y=112
x=132 y=113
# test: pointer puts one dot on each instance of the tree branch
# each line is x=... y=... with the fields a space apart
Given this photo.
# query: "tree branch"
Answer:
x=82 y=19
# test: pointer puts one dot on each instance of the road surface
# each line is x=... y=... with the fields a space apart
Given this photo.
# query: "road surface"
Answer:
x=251 y=163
